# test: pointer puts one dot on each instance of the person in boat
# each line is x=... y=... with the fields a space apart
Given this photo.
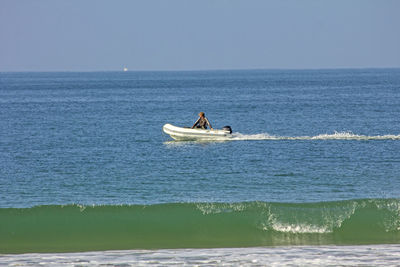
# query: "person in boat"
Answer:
x=202 y=122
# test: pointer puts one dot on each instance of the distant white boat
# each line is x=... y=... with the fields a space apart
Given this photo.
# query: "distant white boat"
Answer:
x=181 y=133
x=125 y=69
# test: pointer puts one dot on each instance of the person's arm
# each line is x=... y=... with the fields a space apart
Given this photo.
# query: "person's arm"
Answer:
x=209 y=124
x=196 y=123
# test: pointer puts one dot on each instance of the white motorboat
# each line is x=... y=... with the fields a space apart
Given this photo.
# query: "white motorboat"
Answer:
x=187 y=133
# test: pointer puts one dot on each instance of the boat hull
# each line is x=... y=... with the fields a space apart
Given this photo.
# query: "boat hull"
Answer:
x=183 y=134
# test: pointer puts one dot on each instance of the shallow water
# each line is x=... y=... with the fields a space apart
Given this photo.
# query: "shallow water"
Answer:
x=378 y=255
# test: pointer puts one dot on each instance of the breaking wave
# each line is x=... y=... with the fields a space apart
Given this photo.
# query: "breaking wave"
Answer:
x=198 y=225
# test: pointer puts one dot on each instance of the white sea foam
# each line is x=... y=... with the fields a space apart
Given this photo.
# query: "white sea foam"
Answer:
x=370 y=255
x=300 y=228
x=325 y=221
x=274 y=223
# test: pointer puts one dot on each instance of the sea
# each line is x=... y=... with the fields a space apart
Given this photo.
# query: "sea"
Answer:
x=310 y=176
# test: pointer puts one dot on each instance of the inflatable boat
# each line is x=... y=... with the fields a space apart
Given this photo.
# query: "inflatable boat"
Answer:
x=187 y=133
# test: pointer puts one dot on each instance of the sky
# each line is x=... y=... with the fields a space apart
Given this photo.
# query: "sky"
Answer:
x=99 y=35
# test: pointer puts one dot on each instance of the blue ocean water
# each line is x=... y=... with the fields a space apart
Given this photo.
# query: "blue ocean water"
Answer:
x=96 y=138
x=314 y=161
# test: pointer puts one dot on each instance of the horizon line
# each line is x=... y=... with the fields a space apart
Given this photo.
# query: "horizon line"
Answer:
x=201 y=70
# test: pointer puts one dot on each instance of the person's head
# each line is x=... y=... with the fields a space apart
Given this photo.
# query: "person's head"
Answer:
x=201 y=114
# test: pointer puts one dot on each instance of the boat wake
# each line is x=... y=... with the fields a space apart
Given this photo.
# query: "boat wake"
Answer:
x=265 y=136
x=334 y=136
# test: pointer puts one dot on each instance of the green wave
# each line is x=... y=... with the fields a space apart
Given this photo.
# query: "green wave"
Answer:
x=198 y=225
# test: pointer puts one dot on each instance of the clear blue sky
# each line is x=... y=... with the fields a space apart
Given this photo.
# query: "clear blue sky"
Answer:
x=93 y=35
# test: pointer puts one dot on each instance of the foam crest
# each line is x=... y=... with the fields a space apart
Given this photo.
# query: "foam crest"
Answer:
x=214 y=208
x=300 y=228
x=310 y=218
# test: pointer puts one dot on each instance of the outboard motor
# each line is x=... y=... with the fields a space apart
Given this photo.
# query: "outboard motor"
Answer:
x=227 y=128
